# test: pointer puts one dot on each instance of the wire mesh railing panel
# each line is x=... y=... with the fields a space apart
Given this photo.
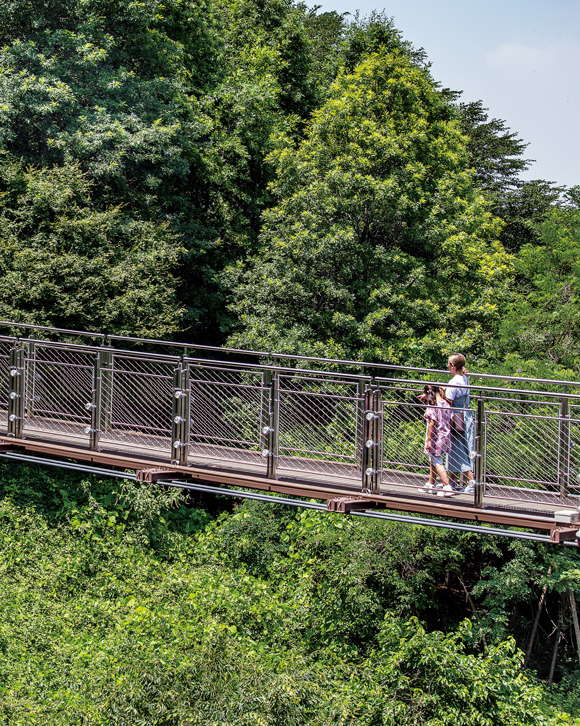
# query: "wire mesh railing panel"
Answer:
x=5 y=347
x=136 y=402
x=58 y=385
x=403 y=439
x=319 y=426
x=225 y=415
x=573 y=471
x=522 y=448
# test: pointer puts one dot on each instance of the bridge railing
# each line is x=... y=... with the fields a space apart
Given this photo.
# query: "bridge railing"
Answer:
x=363 y=428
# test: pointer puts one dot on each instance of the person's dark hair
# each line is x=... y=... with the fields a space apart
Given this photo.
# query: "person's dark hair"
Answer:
x=430 y=396
x=457 y=360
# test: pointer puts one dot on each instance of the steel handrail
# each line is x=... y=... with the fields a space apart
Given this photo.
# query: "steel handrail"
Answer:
x=282 y=356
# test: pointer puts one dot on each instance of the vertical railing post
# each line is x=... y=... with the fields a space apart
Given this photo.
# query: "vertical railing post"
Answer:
x=360 y=426
x=177 y=443
x=185 y=415
x=180 y=415
x=16 y=394
x=94 y=406
x=479 y=471
x=564 y=448
x=106 y=407
x=270 y=419
x=31 y=379
x=372 y=447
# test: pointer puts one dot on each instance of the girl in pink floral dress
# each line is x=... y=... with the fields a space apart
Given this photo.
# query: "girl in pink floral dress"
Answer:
x=437 y=438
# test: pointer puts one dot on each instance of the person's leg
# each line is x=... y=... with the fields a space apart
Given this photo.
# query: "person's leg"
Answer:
x=447 y=490
x=440 y=469
x=430 y=486
x=470 y=488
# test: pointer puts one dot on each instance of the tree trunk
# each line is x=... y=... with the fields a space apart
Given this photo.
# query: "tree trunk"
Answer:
x=536 y=621
x=575 y=621
x=554 y=656
x=557 y=641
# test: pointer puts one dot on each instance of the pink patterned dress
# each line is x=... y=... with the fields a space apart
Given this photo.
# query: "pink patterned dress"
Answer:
x=441 y=439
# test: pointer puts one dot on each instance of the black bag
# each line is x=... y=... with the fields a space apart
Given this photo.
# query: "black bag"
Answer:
x=457 y=418
x=457 y=422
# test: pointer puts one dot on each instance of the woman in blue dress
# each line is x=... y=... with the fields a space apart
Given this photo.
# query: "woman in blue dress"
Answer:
x=462 y=453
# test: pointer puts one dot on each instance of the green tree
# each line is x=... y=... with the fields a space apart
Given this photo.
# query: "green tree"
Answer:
x=380 y=247
x=111 y=88
x=67 y=263
x=543 y=322
x=494 y=151
x=496 y=154
x=107 y=84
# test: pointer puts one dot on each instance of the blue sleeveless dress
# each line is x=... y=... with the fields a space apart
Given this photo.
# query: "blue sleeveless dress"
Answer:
x=462 y=453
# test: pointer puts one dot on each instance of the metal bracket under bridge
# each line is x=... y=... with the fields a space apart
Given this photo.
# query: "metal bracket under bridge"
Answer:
x=345 y=433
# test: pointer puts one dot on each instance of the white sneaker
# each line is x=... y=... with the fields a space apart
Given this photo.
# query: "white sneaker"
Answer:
x=447 y=491
x=429 y=488
x=470 y=488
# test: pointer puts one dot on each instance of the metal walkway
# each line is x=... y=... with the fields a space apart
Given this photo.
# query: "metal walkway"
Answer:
x=344 y=432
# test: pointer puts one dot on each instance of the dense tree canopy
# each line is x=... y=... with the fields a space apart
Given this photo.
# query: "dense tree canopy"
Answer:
x=213 y=122
x=381 y=246
x=104 y=91
x=111 y=612
x=544 y=318
x=64 y=262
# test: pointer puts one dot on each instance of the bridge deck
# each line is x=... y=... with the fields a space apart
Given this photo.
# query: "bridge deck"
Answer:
x=400 y=491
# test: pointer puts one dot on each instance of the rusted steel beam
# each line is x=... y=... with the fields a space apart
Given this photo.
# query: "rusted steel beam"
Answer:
x=563 y=534
x=155 y=474
x=349 y=504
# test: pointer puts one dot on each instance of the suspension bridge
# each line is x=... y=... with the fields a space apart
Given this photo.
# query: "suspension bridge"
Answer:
x=346 y=434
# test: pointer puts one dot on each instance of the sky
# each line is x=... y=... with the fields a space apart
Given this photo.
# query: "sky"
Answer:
x=520 y=57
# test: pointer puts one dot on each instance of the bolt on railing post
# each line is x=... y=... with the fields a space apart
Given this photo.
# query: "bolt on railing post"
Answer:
x=16 y=394
x=564 y=448
x=180 y=416
x=479 y=455
x=372 y=446
x=270 y=420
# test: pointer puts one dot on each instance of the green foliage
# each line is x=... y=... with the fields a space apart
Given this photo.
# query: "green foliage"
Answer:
x=64 y=262
x=376 y=209
x=107 y=89
x=248 y=623
x=523 y=209
x=494 y=151
x=543 y=321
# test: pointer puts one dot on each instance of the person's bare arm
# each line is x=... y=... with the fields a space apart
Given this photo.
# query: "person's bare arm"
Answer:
x=430 y=429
